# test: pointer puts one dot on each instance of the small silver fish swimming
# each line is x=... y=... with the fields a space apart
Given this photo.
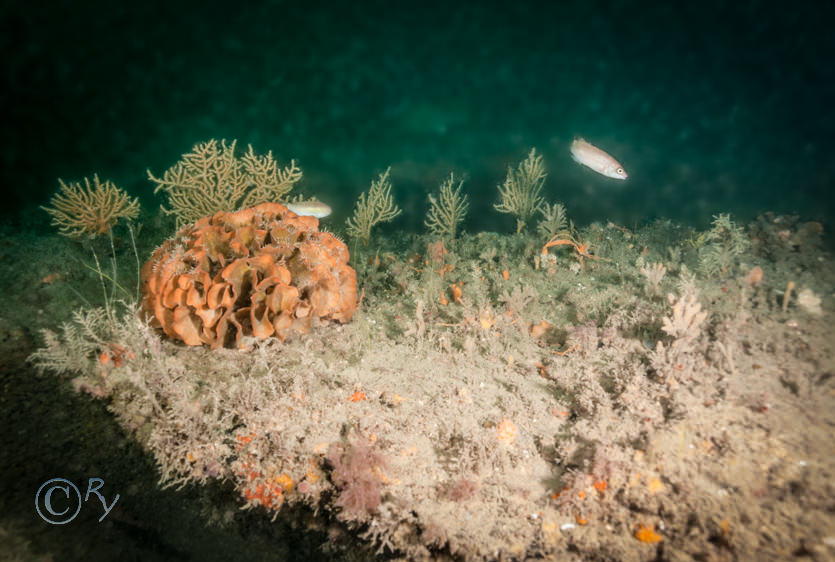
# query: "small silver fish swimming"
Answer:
x=311 y=208
x=601 y=162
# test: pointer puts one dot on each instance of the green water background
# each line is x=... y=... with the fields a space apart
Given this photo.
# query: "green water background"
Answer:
x=711 y=106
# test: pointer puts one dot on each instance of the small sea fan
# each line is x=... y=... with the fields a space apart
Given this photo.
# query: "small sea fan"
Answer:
x=554 y=221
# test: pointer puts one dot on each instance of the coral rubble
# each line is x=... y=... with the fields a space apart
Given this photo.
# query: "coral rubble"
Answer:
x=262 y=271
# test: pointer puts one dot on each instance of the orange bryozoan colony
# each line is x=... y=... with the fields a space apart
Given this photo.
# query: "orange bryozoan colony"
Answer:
x=262 y=271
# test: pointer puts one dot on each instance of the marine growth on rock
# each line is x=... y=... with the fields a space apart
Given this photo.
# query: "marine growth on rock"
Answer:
x=262 y=271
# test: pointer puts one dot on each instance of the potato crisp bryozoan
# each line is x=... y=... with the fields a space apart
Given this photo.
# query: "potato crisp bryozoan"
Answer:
x=262 y=272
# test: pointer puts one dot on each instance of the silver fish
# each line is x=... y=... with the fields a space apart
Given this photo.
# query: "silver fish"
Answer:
x=311 y=208
x=601 y=162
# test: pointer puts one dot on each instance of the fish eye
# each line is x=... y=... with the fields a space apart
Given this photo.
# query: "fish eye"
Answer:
x=620 y=171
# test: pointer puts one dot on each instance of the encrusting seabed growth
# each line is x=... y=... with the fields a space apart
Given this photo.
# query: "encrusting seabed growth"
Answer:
x=559 y=390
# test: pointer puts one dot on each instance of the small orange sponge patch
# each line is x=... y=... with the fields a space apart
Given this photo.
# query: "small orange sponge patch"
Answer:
x=262 y=272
